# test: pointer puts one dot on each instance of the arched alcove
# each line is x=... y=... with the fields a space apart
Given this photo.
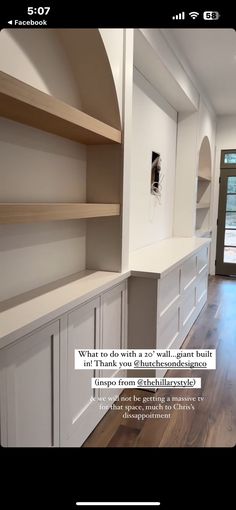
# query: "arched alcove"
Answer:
x=70 y=64
x=38 y=58
x=40 y=167
x=204 y=164
x=204 y=188
x=89 y=61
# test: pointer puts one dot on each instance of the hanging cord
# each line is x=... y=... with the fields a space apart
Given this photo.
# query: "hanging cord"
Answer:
x=156 y=188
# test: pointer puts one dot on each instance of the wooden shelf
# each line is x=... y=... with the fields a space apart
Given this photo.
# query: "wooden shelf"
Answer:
x=205 y=179
x=28 y=105
x=38 y=212
x=203 y=206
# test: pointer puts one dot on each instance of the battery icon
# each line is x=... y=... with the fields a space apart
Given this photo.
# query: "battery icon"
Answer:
x=211 y=15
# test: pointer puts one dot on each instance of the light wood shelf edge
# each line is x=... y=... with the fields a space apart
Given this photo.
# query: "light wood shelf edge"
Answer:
x=25 y=104
x=203 y=178
x=203 y=206
x=40 y=212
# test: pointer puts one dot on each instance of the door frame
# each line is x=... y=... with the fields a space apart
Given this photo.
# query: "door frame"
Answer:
x=227 y=170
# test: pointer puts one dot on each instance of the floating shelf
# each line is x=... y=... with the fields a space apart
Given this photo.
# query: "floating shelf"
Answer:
x=38 y=212
x=205 y=179
x=28 y=105
x=203 y=206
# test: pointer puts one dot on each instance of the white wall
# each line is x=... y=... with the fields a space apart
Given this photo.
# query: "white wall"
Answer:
x=36 y=57
x=113 y=40
x=225 y=139
x=192 y=128
x=207 y=127
x=127 y=140
x=186 y=172
x=37 y=166
x=154 y=129
x=155 y=59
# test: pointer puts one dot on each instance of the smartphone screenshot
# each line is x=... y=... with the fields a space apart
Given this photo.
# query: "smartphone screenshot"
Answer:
x=117 y=255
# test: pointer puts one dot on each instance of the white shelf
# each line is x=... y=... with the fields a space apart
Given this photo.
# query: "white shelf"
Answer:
x=157 y=260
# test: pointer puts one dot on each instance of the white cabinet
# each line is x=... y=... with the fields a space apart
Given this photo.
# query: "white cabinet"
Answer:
x=44 y=401
x=162 y=310
x=79 y=411
x=100 y=323
x=114 y=328
x=29 y=385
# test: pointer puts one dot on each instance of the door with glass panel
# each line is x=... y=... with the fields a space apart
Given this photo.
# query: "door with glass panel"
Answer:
x=226 y=230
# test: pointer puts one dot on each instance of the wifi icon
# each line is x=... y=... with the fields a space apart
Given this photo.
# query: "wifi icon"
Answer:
x=194 y=14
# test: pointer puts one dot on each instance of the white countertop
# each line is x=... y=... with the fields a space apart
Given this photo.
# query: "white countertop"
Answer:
x=23 y=318
x=23 y=314
x=158 y=259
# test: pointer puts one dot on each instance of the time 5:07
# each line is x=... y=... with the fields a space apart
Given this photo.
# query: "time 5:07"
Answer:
x=38 y=10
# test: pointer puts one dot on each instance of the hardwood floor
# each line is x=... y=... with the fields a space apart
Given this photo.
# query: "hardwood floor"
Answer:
x=212 y=422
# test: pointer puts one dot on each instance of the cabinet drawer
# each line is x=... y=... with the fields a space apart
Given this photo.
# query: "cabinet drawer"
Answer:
x=188 y=306
x=168 y=328
x=169 y=291
x=188 y=273
x=202 y=259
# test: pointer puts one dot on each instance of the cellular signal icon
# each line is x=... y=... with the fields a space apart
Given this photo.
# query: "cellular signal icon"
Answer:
x=181 y=15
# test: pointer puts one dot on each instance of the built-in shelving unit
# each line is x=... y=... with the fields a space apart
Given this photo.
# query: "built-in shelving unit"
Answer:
x=79 y=183
x=202 y=228
x=25 y=104
x=39 y=212
x=28 y=105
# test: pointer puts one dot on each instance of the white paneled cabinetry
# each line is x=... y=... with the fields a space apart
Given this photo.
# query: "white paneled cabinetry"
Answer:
x=101 y=323
x=167 y=305
x=29 y=383
x=44 y=401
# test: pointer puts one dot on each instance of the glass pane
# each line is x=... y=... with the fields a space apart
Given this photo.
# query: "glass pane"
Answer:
x=230 y=237
x=230 y=158
x=230 y=255
x=231 y=188
x=230 y=220
x=231 y=203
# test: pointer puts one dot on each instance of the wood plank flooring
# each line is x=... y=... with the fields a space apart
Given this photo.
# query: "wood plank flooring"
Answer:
x=213 y=421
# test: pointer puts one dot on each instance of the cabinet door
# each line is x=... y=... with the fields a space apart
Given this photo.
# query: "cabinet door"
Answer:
x=114 y=328
x=201 y=289
x=79 y=411
x=30 y=390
